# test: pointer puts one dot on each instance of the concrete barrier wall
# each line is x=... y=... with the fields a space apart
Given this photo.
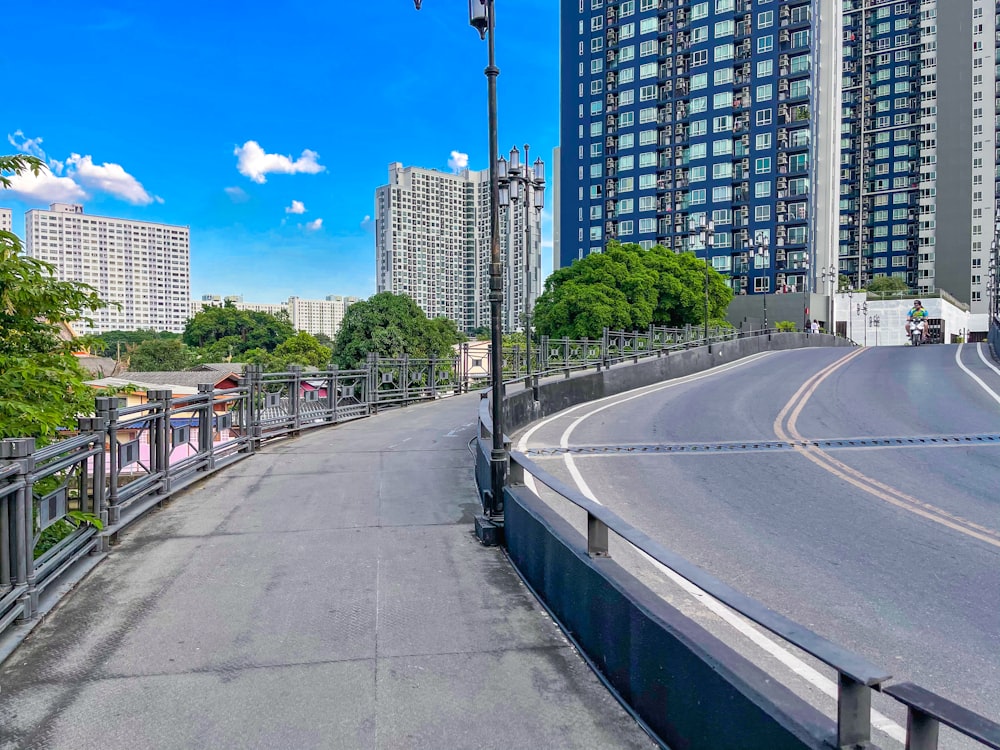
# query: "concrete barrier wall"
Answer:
x=554 y=396
x=691 y=689
x=994 y=340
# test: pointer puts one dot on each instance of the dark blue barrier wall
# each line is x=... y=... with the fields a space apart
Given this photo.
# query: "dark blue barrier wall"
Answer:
x=691 y=689
x=995 y=340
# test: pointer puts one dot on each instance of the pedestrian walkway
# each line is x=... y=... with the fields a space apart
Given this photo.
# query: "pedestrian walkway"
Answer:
x=328 y=592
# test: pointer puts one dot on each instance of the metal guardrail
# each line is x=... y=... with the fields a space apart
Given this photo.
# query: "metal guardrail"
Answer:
x=126 y=459
x=857 y=676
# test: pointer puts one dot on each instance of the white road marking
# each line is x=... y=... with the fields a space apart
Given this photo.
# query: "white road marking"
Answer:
x=455 y=430
x=390 y=447
x=979 y=348
x=958 y=361
x=522 y=444
x=738 y=622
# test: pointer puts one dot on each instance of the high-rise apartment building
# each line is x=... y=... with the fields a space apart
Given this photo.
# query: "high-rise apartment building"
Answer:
x=918 y=188
x=141 y=266
x=319 y=316
x=432 y=238
x=6 y=220
x=309 y=315
x=676 y=113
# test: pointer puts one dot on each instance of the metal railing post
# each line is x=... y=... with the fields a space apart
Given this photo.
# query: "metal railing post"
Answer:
x=332 y=392
x=159 y=429
x=21 y=453
x=372 y=383
x=432 y=376
x=295 y=397
x=96 y=427
x=206 y=426
x=604 y=348
x=107 y=409
x=854 y=709
x=921 y=730
x=543 y=356
x=597 y=537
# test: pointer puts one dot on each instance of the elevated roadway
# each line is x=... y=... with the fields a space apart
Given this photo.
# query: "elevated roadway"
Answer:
x=856 y=492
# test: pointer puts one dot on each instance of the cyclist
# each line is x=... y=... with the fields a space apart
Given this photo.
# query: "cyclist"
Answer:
x=917 y=314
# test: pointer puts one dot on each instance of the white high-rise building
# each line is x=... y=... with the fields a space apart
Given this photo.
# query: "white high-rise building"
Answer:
x=141 y=266
x=6 y=220
x=432 y=237
x=319 y=315
x=217 y=300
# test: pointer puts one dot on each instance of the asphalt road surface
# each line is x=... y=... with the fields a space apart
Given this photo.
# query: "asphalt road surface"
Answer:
x=890 y=549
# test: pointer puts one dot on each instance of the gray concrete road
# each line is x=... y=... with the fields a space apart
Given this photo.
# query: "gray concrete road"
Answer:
x=326 y=593
x=918 y=594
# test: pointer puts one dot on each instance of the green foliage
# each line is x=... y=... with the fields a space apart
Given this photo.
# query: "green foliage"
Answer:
x=42 y=387
x=391 y=325
x=111 y=343
x=52 y=535
x=160 y=354
x=843 y=283
x=628 y=288
x=323 y=339
x=224 y=332
x=18 y=164
x=301 y=349
x=882 y=284
x=786 y=326
x=482 y=333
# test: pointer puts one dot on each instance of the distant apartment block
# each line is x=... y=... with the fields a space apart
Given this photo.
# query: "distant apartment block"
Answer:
x=432 y=236
x=319 y=315
x=310 y=315
x=143 y=267
x=6 y=220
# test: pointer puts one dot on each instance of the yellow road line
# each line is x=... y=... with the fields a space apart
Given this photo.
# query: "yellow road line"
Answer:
x=874 y=487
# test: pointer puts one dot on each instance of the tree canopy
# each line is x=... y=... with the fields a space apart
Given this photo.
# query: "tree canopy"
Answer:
x=628 y=288
x=43 y=385
x=883 y=284
x=228 y=332
x=391 y=325
x=159 y=354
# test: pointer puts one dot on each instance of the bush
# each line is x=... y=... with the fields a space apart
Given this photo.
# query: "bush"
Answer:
x=786 y=326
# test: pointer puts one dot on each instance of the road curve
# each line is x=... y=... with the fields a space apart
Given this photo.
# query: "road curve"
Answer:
x=893 y=552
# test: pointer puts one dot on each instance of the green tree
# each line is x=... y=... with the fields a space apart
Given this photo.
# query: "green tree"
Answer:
x=42 y=384
x=323 y=339
x=159 y=354
x=301 y=349
x=482 y=333
x=883 y=284
x=843 y=283
x=240 y=330
x=111 y=343
x=628 y=288
x=391 y=325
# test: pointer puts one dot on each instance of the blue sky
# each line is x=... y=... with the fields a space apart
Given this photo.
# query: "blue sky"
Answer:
x=229 y=118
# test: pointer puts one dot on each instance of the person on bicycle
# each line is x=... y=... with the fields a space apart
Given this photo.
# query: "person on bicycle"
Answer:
x=916 y=315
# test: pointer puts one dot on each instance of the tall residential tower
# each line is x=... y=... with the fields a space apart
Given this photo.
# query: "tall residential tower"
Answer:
x=141 y=266
x=919 y=147
x=675 y=113
x=432 y=239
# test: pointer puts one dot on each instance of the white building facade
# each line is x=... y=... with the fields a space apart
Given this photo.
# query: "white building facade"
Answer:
x=432 y=239
x=142 y=267
x=310 y=315
x=6 y=220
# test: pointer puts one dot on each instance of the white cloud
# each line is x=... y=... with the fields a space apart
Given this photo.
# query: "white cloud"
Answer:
x=458 y=161
x=64 y=181
x=109 y=178
x=237 y=194
x=312 y=226
x=254 y=163
x=32 y=146
x=367 y=224
x=297 y=207
x=46 y=188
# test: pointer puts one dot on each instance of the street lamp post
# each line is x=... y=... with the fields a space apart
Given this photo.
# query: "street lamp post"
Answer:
x=829 y=276
x=863 y=312
x=759 y=248
x=482 y=17
x=529 y=182
x=850 y=314
x=876 y=321
x=707 y=231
